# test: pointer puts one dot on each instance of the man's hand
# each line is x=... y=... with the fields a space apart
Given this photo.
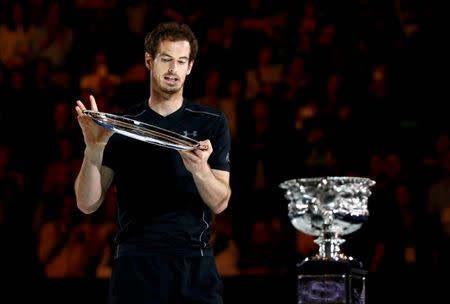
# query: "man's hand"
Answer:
x=213 y=185
x=196 y=161
x=94 y=135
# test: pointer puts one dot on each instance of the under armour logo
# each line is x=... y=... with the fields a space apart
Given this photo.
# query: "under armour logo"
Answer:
x=190 y=134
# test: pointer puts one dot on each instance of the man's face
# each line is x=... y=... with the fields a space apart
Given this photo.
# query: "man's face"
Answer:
x=170 y=66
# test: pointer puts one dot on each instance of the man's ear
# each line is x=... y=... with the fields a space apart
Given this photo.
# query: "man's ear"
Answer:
x=191 y=64
x=148 y=60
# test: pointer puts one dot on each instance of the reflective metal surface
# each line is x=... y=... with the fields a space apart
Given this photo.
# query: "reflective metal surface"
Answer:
x=142 y=131
x=328 y=207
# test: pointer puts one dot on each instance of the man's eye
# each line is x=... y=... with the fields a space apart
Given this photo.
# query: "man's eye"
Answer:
x=165 y=59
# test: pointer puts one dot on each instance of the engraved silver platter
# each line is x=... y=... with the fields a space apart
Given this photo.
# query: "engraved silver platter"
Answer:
x=143 y=131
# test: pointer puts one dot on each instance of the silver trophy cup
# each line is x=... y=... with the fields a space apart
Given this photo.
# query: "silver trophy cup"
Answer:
x=329 y=208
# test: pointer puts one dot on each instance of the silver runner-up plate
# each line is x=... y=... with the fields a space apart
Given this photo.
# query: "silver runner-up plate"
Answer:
x=143 y=131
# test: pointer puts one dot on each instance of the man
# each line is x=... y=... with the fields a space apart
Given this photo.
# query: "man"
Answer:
x=166 y=198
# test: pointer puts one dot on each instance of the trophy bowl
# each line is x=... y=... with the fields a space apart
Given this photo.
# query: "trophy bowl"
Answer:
x=328 y=208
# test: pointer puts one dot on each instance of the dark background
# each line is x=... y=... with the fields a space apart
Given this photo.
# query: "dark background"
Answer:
x=323 y=88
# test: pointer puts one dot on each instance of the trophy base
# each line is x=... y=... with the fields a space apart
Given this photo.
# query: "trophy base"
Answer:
x=331 y=282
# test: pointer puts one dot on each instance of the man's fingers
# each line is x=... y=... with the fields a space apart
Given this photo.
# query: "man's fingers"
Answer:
x=93 y=103
x=80 y=107
x=204 y=145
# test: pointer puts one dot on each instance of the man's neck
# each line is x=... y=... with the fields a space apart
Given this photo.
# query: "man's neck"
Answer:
x=165 y=105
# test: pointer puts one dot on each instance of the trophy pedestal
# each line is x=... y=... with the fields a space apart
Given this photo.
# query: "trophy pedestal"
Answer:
x=331 y=282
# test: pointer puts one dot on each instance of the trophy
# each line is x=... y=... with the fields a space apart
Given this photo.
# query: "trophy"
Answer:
x=329 y=208
x=142 y=131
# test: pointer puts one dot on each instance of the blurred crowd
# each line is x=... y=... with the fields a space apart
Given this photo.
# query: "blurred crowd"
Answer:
x=310 y=88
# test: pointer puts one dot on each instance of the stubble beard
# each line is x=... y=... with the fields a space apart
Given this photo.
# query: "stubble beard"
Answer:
x=165 y=90
x=169 y=90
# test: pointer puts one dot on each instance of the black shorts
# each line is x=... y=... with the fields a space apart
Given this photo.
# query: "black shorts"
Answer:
x=165 y=280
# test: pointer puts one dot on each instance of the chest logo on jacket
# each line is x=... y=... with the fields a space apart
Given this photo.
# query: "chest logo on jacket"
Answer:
x=190 y=134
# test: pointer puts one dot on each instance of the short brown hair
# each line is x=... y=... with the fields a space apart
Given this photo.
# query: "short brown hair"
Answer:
x=172 y=31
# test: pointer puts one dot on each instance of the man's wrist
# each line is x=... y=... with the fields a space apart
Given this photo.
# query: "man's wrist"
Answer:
x=94 y=153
